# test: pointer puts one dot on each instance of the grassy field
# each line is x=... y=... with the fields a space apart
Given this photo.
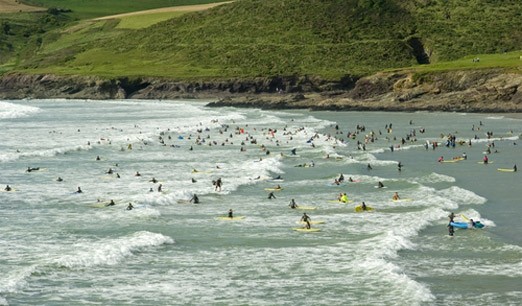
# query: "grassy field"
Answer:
x=146 y=20
x=249 y=38
x=13 y=6
x=512 y=61
x=87 y=9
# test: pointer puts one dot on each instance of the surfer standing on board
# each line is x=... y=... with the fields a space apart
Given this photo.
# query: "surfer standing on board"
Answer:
x=306 y=219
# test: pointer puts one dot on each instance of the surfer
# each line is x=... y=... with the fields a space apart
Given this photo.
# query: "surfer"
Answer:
x=451 y=216
x=109 y=171
x=193 y=180
x=485 y=160
x=218 y=184
x=350 y=179
x=369 y=167
x=79 y=190
x=451 y=229
x=129 y=207
x=159 y=187
x=336 y=182
x=341 y=178
x=441 y=159
x=59 y=179
x=194 y=199
x=380 y=185
x=515 y=168
x=363 y=206
x=306 y=219
x=111 y=203
x=8 y=188
x=137 y=173
x=399 y=166
x=293 y=204
x=396 y=197
x=29 y=169
x=343 y=197
x=271 y=196
x=153 y=180
x=230 y=213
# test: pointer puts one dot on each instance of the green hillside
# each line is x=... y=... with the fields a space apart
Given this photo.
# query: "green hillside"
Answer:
x=327 y=38
x=86 y=9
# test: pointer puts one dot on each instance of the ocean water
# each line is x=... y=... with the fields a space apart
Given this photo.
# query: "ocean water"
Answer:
x=59 y=247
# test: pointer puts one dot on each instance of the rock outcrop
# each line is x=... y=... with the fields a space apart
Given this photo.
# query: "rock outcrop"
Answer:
x=466 y=91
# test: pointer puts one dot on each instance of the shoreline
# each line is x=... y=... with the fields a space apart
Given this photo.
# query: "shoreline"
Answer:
x=482 y=91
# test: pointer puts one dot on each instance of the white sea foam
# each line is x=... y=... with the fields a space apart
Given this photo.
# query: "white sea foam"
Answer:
x=462 y=196
x=109 y=251
x=12 y=110
x=16 y=279
x=433 y=178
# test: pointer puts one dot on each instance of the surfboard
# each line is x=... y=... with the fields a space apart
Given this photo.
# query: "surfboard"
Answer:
x=452 y=160
x=478 y=224
x=311 y=222
x=200 y=172
x=306 y=207
x=306 y=230
x=403 y=200
x=358 y=208
x=226 y=218
x=100 y=204
x=12 y=190
x=506 y=169
x=482 y=162
x=463 y=225
x=274 y=189
x=340 y=202
x=380 y=187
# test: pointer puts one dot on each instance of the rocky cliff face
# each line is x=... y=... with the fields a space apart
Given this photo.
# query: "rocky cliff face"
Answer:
x=468 y=91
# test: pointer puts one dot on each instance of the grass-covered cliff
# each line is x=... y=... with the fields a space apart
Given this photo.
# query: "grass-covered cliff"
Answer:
x=252 y=38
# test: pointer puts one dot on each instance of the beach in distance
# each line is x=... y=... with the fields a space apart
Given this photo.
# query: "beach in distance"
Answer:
x=136 y=234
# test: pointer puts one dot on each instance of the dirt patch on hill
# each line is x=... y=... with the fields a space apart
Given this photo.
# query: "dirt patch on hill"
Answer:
x=14 y=6
x=183 y=8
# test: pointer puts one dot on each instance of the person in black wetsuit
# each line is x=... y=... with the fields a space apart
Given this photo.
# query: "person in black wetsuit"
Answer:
x=194 y=199
x=306 y=219
x=451 y=229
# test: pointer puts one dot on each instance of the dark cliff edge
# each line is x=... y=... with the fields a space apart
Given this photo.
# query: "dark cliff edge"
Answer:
x=461 y=91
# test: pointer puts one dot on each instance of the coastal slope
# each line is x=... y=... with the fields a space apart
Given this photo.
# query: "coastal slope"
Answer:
x=349 y=54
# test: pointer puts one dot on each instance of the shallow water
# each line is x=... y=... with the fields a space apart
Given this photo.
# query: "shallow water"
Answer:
x=61 y=248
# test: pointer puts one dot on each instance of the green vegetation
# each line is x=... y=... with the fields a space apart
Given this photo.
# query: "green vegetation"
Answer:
x=511 y=61
x=247 y=38
x=87 y=9
x=146 y=20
